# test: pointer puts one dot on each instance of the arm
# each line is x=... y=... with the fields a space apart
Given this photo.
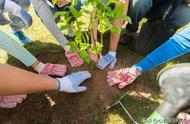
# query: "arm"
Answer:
x=176 y=46
x=13 y=48
x=15 y=81
x=20 y=82
x=45 y=14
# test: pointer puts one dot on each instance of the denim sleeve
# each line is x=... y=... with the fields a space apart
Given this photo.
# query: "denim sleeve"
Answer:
x=13 y=48
x=176 y=46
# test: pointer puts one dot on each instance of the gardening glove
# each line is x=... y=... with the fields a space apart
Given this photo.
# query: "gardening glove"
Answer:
x=74 y=58
x=17 y=12
x=109 y=59
x=175 y=85
x=122 y=77
x=71 y=83
x=51 y=69
x=11 y=101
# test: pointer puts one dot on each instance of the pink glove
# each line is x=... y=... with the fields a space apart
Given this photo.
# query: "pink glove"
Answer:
x=11 y=101
x=122 y=77
x=51 y=69
x=74 y=59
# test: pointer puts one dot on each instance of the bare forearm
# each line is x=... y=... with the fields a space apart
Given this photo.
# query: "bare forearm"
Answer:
x=17 y=81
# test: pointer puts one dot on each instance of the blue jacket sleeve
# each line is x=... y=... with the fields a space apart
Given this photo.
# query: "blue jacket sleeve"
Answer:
x=176 y=46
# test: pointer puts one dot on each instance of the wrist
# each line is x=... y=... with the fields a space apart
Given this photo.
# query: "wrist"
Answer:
x=113 y=53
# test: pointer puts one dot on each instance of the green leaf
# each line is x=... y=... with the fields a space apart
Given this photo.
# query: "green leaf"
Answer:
x=118 y=12
x=115 y=29
x=84 y=46
x=75 y=12
x=73 y=46
x=84 y=55
x=95 y=49
x=74 y=3
x=128 y=19
x=109 y=2
x=64 y=27
x=60 y=13
x=54 y=2
x=87 y=37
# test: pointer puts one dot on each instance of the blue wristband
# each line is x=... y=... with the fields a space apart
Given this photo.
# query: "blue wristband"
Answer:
x=3 y=5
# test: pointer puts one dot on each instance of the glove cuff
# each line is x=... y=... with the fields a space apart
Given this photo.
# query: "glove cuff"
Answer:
x=135 y=71
x=65 y=85
x=66 y=48
x=39 y=67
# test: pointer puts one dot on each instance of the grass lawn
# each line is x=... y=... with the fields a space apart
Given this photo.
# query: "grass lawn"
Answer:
x=143 y=97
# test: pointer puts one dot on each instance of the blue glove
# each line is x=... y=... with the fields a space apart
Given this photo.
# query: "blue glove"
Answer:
x=71 y=83
x=25 y=17
x=106 y=60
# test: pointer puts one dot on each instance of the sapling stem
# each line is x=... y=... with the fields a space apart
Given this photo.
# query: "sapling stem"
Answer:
x=83 y=38
x=101 y=38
